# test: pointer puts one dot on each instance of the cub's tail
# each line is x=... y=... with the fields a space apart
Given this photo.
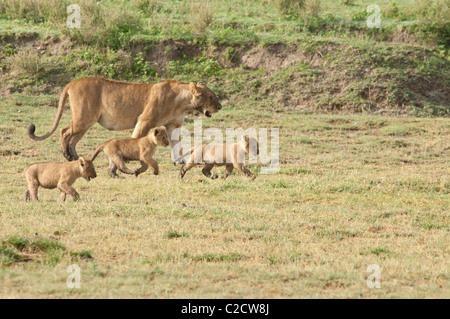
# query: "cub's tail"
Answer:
x=97 y=151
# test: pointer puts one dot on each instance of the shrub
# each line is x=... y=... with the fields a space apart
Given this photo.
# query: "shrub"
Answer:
x=149 y=7
x=289 y=6
x=111 y=27
x=298 y=7
x=312 y=7
x=433 y=19
x=26 y=61
x=53 y=11
x=201 y=16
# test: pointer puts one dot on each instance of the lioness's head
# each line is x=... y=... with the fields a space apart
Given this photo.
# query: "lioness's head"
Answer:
x=204 y=100
x=251 y=145
x=160 y=136
x=87 y=169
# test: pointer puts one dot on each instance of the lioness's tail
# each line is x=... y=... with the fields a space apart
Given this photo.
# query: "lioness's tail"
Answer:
x=97 y=151
x=178 y=160
x=62 y=103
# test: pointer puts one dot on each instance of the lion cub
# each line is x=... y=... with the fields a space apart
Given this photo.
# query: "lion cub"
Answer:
x=121 y=150
x=235 y=154
x=57 y=175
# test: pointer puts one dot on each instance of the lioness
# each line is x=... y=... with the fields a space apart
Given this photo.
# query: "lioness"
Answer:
x=119 y=150
x=57 y=175
x=121 y=105
x=232 y=157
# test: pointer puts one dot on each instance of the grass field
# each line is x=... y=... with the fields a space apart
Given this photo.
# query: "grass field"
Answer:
x=364 y=122
x=352 y=191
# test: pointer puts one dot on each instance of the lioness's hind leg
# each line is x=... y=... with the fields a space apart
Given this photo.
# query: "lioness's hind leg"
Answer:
x=65 y=137
x=74 y=139
x=27 y=196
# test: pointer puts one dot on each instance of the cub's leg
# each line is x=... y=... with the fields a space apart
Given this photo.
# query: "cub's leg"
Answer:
x=207 y=171
x=69 y=190
x=32 y=189
x=228 y=171
x=154 y=164
x=185 y=168
x=244 y=171
x=119 y=162
x=112 y=169
x=142 y=169
x=27 y=196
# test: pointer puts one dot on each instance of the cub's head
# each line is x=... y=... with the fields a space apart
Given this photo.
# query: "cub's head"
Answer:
x=251 y=145
x=204 y=99
x=87 y=169
x=160 y=136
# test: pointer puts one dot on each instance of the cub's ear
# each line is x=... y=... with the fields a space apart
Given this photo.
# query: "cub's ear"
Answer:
x=82 y=161
x=194 y=90
x=156 y=132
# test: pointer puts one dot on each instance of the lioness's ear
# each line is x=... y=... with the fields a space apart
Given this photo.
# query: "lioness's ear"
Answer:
x=194 y=90
x=201 y=83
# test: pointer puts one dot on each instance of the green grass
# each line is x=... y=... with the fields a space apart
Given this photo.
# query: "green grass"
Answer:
x=337 y=205
x=364 y=153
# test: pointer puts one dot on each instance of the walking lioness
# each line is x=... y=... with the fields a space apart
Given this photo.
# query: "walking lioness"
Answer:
x=120 y=150
x=230 y=155
x=57 y=175
x=120 y=106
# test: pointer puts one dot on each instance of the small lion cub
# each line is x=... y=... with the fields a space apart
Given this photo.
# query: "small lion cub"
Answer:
x=121 y=150
x=231 y=156
x=57 y=175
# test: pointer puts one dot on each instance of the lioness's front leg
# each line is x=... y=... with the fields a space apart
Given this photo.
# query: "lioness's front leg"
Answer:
x=142 y=127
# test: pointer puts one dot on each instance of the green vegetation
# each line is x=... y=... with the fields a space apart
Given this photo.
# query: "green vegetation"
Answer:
x=364 y=151
x=248 y=50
